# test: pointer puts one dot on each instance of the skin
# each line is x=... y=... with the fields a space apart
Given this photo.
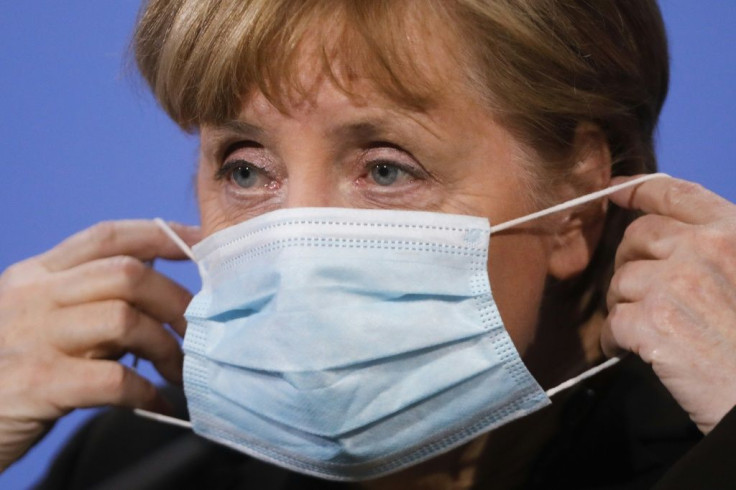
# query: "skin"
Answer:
x=67 y=314
x=672 y=300
x=329 y=150
x=324 y=151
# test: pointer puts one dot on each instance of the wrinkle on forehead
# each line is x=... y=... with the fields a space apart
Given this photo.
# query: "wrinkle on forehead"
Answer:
x=414 y=67
x=375 y=111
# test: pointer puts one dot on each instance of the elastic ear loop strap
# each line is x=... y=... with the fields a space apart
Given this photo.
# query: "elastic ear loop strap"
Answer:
x=188 y=251
x=175 y=238
x=575 y=202
x=494 y=229
x=550 y=393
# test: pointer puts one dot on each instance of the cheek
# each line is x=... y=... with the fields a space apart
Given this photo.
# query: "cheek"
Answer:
x=517 y=270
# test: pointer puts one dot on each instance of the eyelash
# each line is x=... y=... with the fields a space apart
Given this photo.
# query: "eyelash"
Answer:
x=225 y=171
x=228 y=167
x=415 y=171
x=407 y=169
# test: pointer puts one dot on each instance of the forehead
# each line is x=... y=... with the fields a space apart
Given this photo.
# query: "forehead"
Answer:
x=331 y=112
x=405 y=52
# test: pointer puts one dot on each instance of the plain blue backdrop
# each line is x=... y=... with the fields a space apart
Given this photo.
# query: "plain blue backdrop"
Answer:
x=81 y=140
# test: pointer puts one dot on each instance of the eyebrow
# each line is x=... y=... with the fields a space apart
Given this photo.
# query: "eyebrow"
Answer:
x=362 y=130
x=239 y=127
x=373 y=128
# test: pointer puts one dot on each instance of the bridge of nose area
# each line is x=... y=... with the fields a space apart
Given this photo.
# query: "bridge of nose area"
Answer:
x=315 y=181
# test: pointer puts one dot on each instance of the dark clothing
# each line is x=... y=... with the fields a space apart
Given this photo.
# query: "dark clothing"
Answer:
x=617 y=430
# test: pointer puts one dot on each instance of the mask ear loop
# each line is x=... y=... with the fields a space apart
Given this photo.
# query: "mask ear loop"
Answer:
x=582 y=376
x=189 y=253
x=561 y=207
x=494 y=229
x=175 y=238
x=158 y=417
x=574 y=202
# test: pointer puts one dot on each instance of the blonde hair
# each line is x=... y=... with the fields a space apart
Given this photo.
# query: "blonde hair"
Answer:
x=543 y=67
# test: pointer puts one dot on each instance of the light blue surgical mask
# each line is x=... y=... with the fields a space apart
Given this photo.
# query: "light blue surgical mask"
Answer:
x=352 y=343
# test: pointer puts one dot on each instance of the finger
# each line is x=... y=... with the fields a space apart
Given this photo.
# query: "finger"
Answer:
x=108 y=329
x=649 y=237
x=700 y=291
x=127 y=279
x=619 y=332
x=142 y=239
x=632 y=281
x=82 y=383
x=679 y=199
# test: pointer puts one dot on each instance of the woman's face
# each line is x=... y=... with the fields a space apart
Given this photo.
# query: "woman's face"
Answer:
x=340 y=151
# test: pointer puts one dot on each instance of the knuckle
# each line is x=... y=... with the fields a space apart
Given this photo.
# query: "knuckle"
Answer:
x=10 y=295
x=123 y=388
x=20 y=299
x=635 y=228
x=615 y=317
x=23 y=273
x=661 y=313
x=618 y=331
x=621 y=277
x=129 y=268
x=11 y=274
x=614 y=286
x=123 y=318
x=112 y=379
x=626 y=269
x=103 y=234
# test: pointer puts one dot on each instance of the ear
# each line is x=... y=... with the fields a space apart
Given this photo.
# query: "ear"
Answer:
x=579 y=229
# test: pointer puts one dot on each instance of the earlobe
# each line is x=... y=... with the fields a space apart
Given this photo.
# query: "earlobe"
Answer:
x=579 y=229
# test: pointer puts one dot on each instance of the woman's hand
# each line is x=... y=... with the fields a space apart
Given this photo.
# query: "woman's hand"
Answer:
x=672 y=299
x=65 y=314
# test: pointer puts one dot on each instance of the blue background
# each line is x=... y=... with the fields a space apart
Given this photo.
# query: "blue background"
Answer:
x=82 y=141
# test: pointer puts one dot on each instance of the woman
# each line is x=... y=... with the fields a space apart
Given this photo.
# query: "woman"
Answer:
x=462 y=109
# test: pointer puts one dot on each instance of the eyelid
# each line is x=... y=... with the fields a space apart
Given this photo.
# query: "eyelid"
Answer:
x=227 y=168
x=407 y=169
x=387 y=144
x=407 y=163
x=393 y=147
x=227 y=148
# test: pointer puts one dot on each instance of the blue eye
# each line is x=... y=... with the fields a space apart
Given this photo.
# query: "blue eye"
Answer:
x=385 y=174
x=245 y=176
